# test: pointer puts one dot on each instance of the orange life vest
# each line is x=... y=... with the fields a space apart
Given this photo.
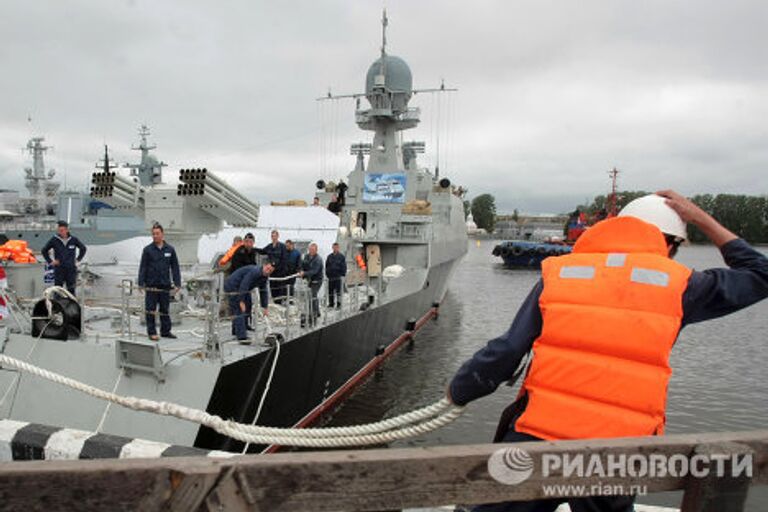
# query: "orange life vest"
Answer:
x=228 y=255
x=611 y=312
x=360 y=261
x=17 y=251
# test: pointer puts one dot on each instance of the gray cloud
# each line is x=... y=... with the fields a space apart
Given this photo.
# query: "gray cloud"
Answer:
x=552 y=93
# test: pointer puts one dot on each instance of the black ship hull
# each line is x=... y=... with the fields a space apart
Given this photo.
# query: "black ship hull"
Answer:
x=315 y=371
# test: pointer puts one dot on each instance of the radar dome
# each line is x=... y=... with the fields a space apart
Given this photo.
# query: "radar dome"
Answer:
x=398 y=75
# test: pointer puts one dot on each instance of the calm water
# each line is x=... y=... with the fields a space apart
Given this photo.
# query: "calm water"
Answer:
x=719 y=367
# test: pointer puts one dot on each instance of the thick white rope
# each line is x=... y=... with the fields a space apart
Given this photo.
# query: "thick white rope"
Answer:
x=266 y=389
x=430 y=417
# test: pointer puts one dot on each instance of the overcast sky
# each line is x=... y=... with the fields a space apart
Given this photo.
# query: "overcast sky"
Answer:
x=552 y=94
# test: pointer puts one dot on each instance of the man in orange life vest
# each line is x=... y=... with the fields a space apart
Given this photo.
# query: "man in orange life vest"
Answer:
x=601 y=323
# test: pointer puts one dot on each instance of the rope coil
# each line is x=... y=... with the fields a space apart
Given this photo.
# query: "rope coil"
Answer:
x=414 y=423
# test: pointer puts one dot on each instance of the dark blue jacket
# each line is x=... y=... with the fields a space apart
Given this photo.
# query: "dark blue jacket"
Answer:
x=275 y=254
x=67 y=251
x=710 y=294
x=313 y=268
x=335 y=266
x=159 y=267
x=245 y=279
x=292 y=262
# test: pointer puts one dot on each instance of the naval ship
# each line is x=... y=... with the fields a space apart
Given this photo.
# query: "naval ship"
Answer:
x=406 y=222
x=33 y=218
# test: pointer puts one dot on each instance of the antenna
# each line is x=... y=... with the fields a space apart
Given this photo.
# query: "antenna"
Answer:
x=384 y=23
x=614 y=174
x=105 y=164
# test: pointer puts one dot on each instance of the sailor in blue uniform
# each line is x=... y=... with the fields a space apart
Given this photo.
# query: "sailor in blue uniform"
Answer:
x=312 y=271
x=159 y=273
x=276 y=254
x=292 y=265
x=238 y=288
x=335 y=270
x=68 y=251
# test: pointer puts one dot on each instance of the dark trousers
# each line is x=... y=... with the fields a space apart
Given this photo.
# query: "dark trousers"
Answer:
x=592 y=504
x=314 y=306
x=238 y=317
x=334 y=291
x=153 y=300
x=278 y=290
x=66 y=277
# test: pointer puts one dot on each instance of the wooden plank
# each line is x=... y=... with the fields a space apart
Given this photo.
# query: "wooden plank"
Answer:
x=382 y=479
x=723 y=492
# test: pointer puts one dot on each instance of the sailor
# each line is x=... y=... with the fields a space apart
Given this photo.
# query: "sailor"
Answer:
x=68 y=251
x=335 y=270
x=159 y=275
x=237 y=241
x=315 y=201
x=341 y=190
x=245 y=254
x=292 y=265
x=275 y=253
x=238 y=287
x=601 y=323
x=312 y=271
x=334 y=206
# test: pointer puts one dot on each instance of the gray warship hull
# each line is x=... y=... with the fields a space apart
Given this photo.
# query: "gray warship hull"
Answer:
x=317 y=370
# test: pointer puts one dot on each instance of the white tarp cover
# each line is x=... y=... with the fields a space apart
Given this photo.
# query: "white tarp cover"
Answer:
x=302 y=224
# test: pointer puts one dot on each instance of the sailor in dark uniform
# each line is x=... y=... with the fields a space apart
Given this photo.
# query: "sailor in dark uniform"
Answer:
x=335 y=270
x=159 y=273
x=275 y=253
x=292 y=265
x=238 y=288
x=244 y=255
x=312 y=271
x=68 y=251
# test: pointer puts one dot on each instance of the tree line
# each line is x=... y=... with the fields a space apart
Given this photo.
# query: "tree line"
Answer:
x=745 y=215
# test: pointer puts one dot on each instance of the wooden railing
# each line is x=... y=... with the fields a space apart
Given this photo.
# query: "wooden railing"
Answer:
x=381 y=479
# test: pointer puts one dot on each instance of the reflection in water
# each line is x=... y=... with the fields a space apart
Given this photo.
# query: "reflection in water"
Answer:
x=719 y=367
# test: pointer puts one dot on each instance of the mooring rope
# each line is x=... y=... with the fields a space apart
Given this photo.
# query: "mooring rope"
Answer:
x=410 y=424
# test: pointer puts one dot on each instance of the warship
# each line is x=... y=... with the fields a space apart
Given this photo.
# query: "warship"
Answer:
x=404 y=221
x=33 y=218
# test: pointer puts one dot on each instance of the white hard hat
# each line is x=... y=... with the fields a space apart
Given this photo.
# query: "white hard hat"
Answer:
x=654 y=209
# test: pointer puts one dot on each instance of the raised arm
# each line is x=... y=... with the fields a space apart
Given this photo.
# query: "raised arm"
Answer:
x=717 y=292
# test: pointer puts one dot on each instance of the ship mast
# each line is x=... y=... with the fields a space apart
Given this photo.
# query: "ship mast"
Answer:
x=612 y=209
x=42 y=189
x=149 y=170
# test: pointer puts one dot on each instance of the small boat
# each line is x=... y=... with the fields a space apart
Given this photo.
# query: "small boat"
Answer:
x=530 y=254
x=527 y=254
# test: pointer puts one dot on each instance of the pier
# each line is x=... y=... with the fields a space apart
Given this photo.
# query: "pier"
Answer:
x=371 y=480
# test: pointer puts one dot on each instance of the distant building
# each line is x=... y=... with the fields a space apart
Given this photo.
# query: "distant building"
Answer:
x=529 y=227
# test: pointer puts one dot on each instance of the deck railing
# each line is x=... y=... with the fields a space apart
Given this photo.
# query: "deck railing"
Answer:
x=392 y=479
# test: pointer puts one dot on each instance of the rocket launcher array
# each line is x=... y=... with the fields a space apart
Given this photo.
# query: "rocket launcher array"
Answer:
x=214 y=196
x=115 y=190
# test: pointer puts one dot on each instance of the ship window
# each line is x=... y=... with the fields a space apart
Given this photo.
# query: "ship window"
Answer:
x=20 y=235
x=37 y=235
